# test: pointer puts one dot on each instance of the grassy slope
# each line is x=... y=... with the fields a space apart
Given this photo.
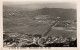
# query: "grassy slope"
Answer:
x=21 y=22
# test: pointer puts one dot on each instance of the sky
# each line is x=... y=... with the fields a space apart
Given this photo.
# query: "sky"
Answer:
x=43 y=3
x=40 y=0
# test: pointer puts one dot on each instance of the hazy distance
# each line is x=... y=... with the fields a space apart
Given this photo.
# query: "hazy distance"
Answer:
x=39 y=5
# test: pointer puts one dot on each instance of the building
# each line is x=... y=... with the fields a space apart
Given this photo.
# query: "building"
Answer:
x=42 y=17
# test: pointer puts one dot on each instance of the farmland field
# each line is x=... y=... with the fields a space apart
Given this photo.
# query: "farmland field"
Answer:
x=22 y=21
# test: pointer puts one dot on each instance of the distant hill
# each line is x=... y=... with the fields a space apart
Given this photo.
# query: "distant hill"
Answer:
x=65 y=14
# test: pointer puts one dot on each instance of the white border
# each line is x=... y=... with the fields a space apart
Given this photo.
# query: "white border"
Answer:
x=53 y=48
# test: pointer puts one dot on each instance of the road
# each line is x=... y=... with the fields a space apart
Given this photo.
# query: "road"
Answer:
x=49 y=29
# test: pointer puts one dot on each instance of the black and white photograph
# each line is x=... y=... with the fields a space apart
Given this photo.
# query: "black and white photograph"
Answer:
x=39 y=24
